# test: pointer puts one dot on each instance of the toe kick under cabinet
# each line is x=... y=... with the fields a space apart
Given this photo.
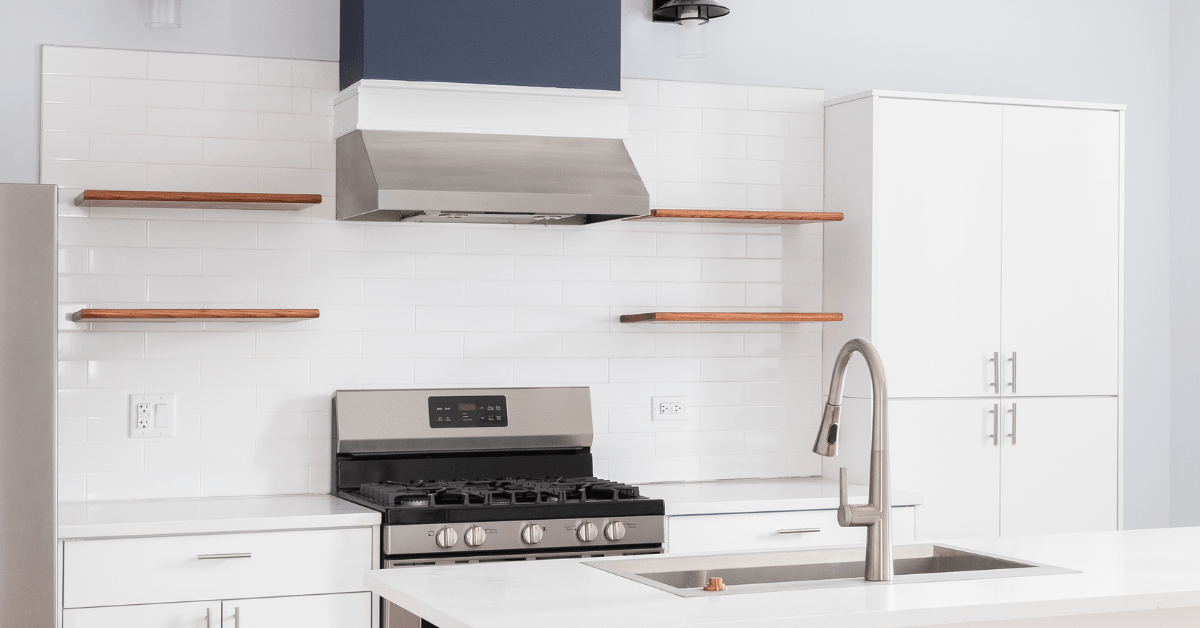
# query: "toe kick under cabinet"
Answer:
x=981 y=253
x=293 y=579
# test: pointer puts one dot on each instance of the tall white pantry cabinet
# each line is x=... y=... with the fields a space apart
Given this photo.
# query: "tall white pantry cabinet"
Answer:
x=981 y=254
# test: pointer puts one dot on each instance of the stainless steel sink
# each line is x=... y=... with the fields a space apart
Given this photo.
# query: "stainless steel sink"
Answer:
x=761 y=572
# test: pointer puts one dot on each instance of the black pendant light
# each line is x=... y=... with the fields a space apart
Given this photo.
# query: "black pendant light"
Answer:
x=681 y=11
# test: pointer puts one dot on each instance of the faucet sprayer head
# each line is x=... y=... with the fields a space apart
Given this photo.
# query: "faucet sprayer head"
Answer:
x=827 y=436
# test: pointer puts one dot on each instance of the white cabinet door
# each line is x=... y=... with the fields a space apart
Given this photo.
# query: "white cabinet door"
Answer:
x=1060 y=253
x=1059 y=466
x=178 y=615
x=943 y=449
x=937 y=246
x=343 y=610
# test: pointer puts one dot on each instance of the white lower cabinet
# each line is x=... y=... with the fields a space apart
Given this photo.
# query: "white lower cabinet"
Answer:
x=307 y=611
x=1007 y=466
x=298 y=579
x=178 y=615
x=773 y=530
x=304 y=611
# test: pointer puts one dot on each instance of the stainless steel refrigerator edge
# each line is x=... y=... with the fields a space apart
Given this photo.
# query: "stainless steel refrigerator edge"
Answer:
x=28 y=383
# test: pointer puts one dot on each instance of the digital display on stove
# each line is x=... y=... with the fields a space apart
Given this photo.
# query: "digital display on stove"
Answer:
x=468 y=411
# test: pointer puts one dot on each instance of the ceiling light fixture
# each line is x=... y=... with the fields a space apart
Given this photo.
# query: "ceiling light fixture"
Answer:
x=691 y=15
x=163 y=13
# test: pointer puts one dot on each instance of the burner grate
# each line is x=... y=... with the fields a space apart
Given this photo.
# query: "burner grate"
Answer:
x=498 y=492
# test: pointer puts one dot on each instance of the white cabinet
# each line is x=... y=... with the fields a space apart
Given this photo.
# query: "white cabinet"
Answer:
x=306 y=611
x=177 y=615
x=981 y=254
x=975 y=230
x=773 y=530
x=309 y=611
x=1060 y=254
x=297 y=578
x=1053 y=467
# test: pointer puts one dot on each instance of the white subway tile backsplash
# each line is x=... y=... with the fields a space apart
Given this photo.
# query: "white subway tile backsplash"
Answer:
x=203 y=289
x=144 y=93
x=125 y=373
x=192 y=178
x=788 y=99
x=467 y=318
x=292 y=127
x=315 y=237
x=170 y=66
x=64 y=145
x=93 y=119
x=259 y=98
x=94 y=175
x=210 y=123
x=513 y=345
x=406 y=305
x=93 y=62
x=144 y=261
x=75 y=90
x=234 y=262
x=226 y=152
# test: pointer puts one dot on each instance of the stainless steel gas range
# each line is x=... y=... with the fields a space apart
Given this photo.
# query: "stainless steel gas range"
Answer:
x=477 y=475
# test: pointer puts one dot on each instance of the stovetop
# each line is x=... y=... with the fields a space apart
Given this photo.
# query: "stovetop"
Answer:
x=502 y=499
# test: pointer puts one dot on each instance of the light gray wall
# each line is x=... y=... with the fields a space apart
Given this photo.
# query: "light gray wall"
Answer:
x=1113 y=51
x=1185 y=262
x=296 y=29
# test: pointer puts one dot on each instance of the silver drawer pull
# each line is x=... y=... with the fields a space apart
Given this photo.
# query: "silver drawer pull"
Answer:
x=798 y=530
x=216 y=556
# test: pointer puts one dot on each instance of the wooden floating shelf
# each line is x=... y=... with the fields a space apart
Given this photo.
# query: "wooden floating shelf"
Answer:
x=200 y=315
x=196 y=200
x=731 y=317
x=743 y=216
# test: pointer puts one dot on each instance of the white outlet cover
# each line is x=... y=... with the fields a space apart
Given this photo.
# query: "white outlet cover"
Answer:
x=157 y=403
x=668 y=409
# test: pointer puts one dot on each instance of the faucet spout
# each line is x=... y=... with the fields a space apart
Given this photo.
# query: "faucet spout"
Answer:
x=876 y=514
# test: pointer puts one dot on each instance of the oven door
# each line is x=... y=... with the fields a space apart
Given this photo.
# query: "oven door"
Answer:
x=392 y=616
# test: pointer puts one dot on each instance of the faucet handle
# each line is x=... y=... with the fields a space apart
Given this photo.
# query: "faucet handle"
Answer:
x=845 y=512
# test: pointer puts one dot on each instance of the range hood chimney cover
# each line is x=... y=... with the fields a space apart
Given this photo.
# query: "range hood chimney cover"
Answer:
x=469 y=177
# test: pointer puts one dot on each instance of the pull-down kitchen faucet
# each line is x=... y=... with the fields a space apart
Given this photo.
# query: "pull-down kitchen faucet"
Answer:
x=876 y=514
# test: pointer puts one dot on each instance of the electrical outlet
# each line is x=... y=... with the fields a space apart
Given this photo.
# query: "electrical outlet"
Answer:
x=151 y=416
x=668 y=408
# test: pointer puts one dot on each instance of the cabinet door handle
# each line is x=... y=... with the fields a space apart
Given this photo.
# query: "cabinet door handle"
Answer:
x=1013 y=383
x=208 y=618
x=996 y=372
x=798 y=530
x=995 y=412
x=237 y=617
x=1013 y=433
x=219 y=556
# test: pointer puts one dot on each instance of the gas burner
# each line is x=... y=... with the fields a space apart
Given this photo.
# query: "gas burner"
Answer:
x=496 y=492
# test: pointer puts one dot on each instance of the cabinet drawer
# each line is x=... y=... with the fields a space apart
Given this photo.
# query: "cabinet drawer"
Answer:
x=205 y=567
x=762 y=531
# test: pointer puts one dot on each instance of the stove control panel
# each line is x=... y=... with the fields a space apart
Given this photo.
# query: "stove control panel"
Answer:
x=474 y=411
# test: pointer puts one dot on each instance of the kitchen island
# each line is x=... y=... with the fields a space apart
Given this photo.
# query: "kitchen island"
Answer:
x=1129 y=578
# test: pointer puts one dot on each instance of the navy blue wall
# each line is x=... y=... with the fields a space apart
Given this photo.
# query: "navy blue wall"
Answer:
x=542 y=43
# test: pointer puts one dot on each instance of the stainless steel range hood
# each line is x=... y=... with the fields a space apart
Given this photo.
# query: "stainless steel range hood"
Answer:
x=416 y=176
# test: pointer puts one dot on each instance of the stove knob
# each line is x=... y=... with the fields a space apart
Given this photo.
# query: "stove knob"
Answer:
x=532 y=534
x=614 y=531
x=475 y=536
x=587 y=532
x=446 y=537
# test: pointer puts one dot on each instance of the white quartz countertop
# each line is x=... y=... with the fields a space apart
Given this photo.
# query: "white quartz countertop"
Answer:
x=770 y=495
x=82 y=520
x=1119 y=572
